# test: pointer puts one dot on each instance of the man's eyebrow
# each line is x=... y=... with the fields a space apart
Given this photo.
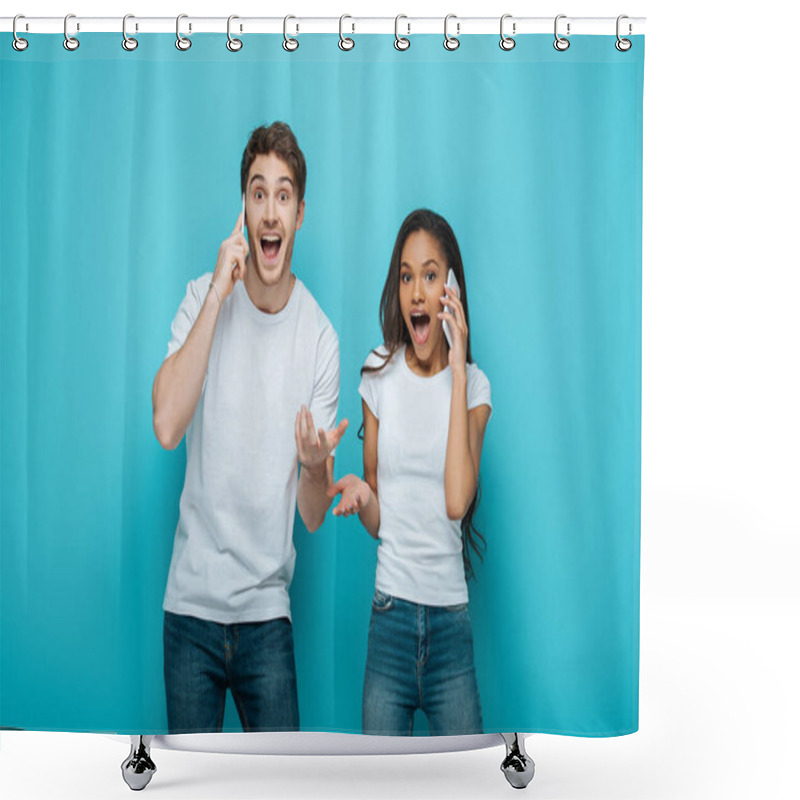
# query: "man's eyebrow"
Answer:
x=282 y=179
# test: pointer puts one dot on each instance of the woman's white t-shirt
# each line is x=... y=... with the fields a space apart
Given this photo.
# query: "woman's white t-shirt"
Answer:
x=419 y=556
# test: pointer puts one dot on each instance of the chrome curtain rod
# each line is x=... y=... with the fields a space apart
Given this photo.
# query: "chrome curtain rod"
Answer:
x=513 y=26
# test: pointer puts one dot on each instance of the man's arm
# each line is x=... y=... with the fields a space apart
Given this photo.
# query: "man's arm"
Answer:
x=179 y=381
x=316 y=467
x=312 y=493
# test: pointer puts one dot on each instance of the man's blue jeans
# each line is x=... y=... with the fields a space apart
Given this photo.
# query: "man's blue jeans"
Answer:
x=420 y=657
x=254 y=659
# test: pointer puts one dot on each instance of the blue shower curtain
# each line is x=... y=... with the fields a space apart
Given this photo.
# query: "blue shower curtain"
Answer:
x=120 y=178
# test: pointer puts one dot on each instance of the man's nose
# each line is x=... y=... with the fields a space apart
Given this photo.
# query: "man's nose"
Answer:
x=271 y=209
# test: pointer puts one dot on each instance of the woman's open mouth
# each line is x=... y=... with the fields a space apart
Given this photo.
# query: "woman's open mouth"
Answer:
x=420 y=326
x=270 y=247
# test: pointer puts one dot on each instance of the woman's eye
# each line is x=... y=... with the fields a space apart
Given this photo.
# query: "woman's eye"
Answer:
x=405 y=277
x=431 y=276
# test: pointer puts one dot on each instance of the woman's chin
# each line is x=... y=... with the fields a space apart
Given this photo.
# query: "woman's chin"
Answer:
x=424 y=352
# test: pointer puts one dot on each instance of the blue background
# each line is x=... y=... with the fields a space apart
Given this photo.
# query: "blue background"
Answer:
x=119 y=179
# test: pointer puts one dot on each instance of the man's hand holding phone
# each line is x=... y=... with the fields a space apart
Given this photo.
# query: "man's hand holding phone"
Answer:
x=231 y=260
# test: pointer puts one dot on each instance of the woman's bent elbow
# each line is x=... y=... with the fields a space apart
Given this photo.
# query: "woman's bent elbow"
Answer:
x=456 y=512
x=166 y=436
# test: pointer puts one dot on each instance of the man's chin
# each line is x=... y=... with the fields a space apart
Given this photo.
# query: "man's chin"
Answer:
x=272 y=275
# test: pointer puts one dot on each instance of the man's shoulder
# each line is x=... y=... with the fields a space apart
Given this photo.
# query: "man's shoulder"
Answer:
x=312 y=310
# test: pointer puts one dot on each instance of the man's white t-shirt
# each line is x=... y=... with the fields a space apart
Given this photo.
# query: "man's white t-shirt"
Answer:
x=419 y=555
x=233 y=556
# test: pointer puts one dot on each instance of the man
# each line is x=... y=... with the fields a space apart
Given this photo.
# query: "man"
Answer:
x=252 y=366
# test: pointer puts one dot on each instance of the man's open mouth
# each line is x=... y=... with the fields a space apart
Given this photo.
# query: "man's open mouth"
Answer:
x=270 y=246
x=420 y=326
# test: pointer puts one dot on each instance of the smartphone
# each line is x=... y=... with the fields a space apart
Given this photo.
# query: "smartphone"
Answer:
x=242 y=213
x=453 y=284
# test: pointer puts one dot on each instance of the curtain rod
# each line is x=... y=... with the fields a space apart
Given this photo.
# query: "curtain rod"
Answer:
x=513 y=26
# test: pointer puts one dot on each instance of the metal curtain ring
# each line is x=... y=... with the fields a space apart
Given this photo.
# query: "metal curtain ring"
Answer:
x=289 y=44
x=623 y=45
x=128 y=42
x=19 y=44
x=560 y=43
x=507 y=42
x=345 y=42
x=451 y=42
x=70 y=42
x=181 y=42
x=233 y=44
x=400 y=42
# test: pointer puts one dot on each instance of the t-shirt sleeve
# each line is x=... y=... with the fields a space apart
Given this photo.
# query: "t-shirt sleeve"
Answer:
x=479 y=391
x=188 y=313
x=368 y=388
x=325 y=399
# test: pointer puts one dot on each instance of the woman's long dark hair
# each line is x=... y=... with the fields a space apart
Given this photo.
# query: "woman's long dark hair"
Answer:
x=395 y=334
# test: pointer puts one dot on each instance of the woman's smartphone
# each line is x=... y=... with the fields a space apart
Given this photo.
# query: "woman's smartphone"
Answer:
x=453 y=284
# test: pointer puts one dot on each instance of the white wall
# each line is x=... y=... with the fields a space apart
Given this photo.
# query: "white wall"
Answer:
x=721 y=437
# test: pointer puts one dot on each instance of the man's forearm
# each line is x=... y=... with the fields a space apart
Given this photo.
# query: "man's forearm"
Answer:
x=179 y=382
x=312 y=494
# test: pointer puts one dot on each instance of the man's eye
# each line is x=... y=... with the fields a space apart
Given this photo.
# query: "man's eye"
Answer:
x=259 y=195
x=284 y=197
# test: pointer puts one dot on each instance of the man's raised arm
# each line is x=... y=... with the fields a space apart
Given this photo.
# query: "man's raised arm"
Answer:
x=179 y=381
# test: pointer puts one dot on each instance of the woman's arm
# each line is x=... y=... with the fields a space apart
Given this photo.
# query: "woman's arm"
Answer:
x=465 y=434
x=362 y=495
x=464 y=446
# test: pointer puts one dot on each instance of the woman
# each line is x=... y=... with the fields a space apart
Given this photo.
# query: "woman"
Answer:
x=425 y=407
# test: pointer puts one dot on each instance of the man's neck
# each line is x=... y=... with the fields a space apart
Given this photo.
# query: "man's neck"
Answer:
x=269 y=299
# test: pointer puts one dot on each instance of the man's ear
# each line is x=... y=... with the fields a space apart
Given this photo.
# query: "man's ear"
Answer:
x=301 y=211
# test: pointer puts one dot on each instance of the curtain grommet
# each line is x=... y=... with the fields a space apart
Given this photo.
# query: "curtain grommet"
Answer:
x=233 y=44
x=401 y=43
x=345 y=42
x=561 y=43
x=289 y=44
x=182 y=42
x=507 y=42
x=18 y=43
x=71 y=43
x=451 y=43
x=622 y=44
x=129 y=43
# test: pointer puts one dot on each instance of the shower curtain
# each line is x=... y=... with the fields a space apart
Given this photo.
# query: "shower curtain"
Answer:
x=120 y=179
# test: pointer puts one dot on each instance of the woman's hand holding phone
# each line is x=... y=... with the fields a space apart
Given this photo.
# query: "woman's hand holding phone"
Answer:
x=453 y=315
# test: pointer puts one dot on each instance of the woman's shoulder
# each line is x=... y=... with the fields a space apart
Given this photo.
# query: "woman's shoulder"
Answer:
x=476 y=375
x=377 y=357
x=479 y=391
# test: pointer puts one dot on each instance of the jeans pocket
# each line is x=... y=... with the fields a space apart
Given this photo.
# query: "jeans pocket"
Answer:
x=382 y=601
x=457 y=608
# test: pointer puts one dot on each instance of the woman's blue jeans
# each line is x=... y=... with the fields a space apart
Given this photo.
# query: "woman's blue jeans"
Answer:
x=420 y=657
x=254 y=659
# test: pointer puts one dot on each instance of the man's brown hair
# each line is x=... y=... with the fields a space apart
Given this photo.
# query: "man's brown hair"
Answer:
x=278 y=139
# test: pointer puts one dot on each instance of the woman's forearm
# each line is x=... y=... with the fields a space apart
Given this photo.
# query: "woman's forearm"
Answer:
x=460 y=480
x=370 y=515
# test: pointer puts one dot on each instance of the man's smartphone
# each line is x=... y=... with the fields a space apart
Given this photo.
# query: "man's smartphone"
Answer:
x=453 y=284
